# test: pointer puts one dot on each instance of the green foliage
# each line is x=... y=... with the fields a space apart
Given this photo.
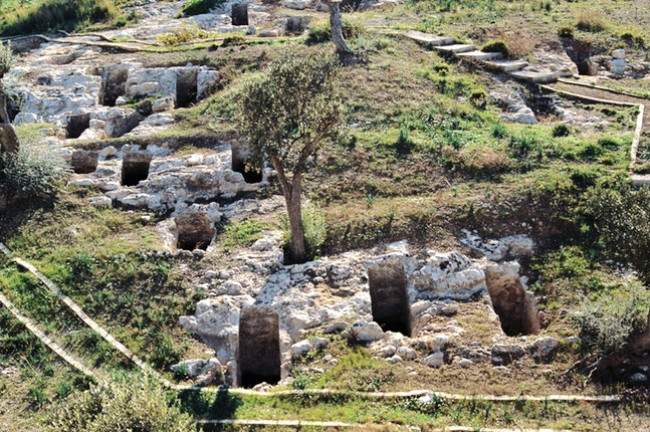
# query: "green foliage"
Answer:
x=633 y=36
x=242 y=234
x=609 y=321
x=496 y=46
x=561 y=130
x=622 y=218
x=321 y=31
x=182 y=34
x=135 y=404
x=315 y=228
x=7 y=60
x=35 y=172
x=48 y=15
x=198 y=7
x=478 y=98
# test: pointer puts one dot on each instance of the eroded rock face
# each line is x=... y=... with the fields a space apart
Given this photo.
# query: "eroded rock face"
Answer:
x=511 y=302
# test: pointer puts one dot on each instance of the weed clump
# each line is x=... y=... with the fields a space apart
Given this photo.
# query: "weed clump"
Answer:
x=591 y=20
x=496 y=46
x=561 y=130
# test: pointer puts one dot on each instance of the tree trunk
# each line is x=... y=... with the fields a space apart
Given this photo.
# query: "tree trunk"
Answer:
x=8 y=138
x=293 y=200
x=337 y=27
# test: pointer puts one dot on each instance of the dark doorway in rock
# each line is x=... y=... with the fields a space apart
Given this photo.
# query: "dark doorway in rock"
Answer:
x=244 y=163
x=259 y=346
x=135 y=168
x=512 y=303
x=113 y=84
x=77 y=124
x=581 y=53
x=186 y=84
x=194 y=231
x=239 y=14
x=84 y=162
x=391 y=308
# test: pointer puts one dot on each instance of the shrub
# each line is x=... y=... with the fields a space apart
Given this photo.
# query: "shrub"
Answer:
x=478 y=98
x=198 y=7
x=608 y=323
x=498 y=46
x=35 y=172
x=633 y=37
x=313 y=222
x=565 y=31
x=181 y=35
x=561 y=130
x=622 y=218
x=139 y=404
x=590 y=20
x=320 y=31
x=404 y=144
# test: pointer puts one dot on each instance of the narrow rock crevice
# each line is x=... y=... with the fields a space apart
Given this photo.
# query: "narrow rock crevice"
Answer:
x=514 y=306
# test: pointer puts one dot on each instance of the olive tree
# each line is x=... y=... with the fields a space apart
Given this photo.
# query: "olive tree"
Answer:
x=8 y=138
x=286 y=114
x=337 y=27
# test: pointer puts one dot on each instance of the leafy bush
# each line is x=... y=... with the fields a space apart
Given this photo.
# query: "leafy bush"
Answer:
x=198 y=7
x=34 y=172
x=321 y=31
x=607 y=323
x=137 y=405
x=634 y=37
x=56 y=14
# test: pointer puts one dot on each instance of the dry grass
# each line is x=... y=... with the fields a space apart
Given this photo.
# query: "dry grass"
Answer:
x=591 y=20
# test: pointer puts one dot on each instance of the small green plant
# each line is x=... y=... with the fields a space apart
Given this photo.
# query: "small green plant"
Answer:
x=404 y=145
x=499 y=130
x=315 y=227
x=496 y=46
x=561 y=130
x=301 y=382
x=242 y=233
x=478 y=98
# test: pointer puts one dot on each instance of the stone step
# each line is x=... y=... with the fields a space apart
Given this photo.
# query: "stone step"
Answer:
x=456 y=48
x=507 y=65
x=429 y=40
x=535 y=77
x=480 y=55
x=640 y=179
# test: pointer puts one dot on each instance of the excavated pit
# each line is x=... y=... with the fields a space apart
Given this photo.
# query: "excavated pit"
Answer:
x=77 y=124
x=186 y=87
x=84 y=162
x=239 y=14
x=580 y=53
x=391 y=308
x=259 y=346
x=514 y=306
x=113 y=84
x=244 y=163
x=135 y=168
x=194 y=231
